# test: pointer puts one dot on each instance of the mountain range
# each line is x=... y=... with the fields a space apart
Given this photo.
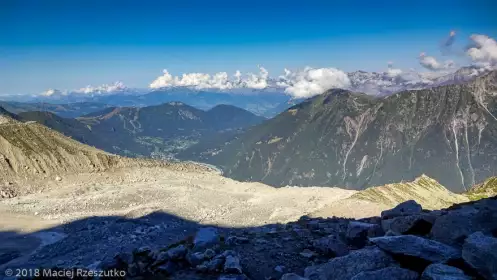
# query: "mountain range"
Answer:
x=267 y=102
x=339 y=138
x=349 y=139
x=394 y=80
x=154 y=131
x=68 y=110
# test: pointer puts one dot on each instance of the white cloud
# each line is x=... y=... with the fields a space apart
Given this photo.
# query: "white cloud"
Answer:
x=310 y=81
x=52 y=93
x=203 y=81
x=166 y=80
x=484 y=51
x=217 y=81
x=238 y=77
x=103 y=89
x=257 y=81
x=195 y=80
x=431 y=63
x=392 y=72
x=305 y=83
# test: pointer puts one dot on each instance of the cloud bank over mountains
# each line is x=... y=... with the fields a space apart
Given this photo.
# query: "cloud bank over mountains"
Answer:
x=484 y=50
x=431 y=63
x=219 y=80
x=88 y=90
x=310 y=81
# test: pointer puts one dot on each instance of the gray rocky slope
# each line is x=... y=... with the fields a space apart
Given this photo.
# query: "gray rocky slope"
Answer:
x=405 y=242
x=343 y=138
x=30 y=152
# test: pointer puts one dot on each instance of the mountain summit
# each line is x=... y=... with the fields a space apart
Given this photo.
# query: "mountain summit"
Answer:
x=343 y=138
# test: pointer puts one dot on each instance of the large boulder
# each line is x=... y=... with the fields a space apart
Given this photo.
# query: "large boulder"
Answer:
x=358 y=232
x=480 y=252
x=419 y=224
x=177 y=253
x=454 y=227
x=388 y=273
x=331 y=246
x=196 y=258
x=350 y=265
x=232 y=265
x=206 y=237
x=406 y=208
x=440 y=271
x=418 y=247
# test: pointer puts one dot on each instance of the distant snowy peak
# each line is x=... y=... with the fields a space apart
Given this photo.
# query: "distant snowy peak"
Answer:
x=103 y=89
x=297 y=84
x=462 y=75
x=385 y=83
x=52 y=93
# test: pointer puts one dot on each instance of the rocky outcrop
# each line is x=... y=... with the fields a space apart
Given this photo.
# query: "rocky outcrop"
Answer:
x=331 y=248
x=480 y=252
x=440 y=271
x=417 y=247
x=389 y=273
x=406 y=208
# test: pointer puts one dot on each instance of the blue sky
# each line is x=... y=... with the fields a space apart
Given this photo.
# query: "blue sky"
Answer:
x=68 y=44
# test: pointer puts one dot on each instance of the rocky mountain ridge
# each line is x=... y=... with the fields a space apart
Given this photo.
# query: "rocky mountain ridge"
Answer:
x=393 y=81
x=342 y=138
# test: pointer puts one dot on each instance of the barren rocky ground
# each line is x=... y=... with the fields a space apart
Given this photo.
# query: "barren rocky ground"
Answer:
x=73 y=216
x=202 y=197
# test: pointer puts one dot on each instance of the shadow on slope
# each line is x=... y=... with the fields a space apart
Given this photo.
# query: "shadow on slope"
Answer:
x=94 y=241
x=265 y=252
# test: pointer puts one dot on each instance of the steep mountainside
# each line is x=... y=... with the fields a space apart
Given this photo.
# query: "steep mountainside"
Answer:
x=30 y=150
x=486 y=189
x=31 y=154
x=7 y=117
x=71 y=128
x=424 y=190
x=342 y=138
x=158 y=131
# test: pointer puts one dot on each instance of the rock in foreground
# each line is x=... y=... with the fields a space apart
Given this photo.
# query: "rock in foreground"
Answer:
x=330 y=249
